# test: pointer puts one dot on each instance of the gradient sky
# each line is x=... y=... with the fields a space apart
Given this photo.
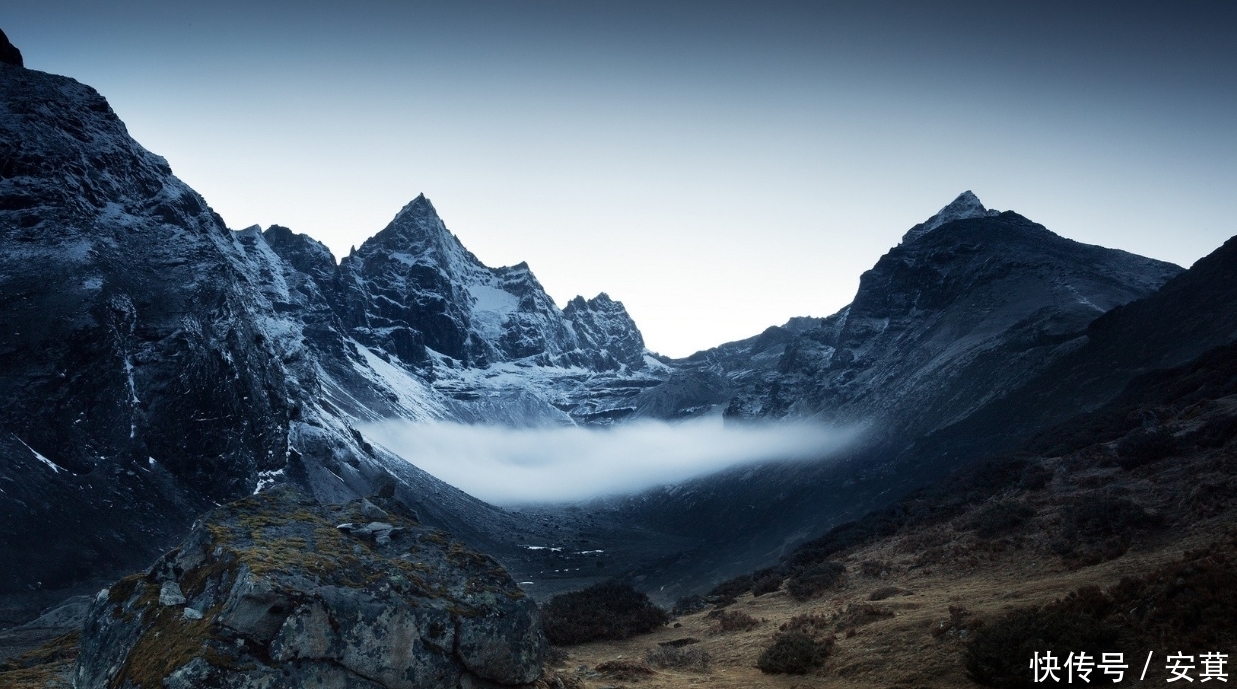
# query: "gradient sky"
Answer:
x=717 y=166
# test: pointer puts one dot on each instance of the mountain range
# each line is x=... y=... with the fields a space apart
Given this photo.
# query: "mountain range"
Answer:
x=156 y=363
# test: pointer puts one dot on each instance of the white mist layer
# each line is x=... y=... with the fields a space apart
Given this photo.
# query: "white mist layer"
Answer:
x=529 y=465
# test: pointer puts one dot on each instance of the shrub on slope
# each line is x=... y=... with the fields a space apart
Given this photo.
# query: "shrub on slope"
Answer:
x=607 y=611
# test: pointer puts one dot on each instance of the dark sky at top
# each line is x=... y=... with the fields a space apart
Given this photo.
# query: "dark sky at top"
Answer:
x=657 y=150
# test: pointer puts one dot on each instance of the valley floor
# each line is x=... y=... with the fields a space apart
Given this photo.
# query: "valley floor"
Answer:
x=1012 y=536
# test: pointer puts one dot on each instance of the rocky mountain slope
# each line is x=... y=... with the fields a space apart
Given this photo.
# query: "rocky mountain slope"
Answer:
x=1192 y=313
x=126 y=308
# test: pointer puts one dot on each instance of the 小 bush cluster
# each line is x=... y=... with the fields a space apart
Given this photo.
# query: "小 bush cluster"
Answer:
x=610 y=610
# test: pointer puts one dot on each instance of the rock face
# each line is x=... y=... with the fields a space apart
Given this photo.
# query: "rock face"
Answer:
x=9 y=54
x=1193 y=312
x=129 y=332
x=151 y=309
x=606 y=332
x=277 y=591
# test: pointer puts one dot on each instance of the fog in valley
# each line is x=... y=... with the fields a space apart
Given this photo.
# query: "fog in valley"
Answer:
x=508 y=466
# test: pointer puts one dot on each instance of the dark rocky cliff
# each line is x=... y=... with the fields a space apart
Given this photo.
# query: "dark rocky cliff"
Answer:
x=130 y=350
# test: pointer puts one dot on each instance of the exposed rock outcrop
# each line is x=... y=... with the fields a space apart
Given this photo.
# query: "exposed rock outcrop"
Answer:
x=277 y=591
x=606 y=332
x=9 y=54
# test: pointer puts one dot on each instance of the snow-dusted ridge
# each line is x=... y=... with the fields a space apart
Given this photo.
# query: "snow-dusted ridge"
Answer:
x=965 y=207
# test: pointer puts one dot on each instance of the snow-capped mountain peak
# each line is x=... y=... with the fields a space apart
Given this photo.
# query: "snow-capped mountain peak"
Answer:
x=966 y=206
x=417 y=216
x=414 y=290
x=417 y=230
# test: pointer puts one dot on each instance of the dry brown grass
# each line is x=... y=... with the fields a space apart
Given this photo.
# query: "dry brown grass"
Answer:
x=47 y=667
x=892 y=644
x=725 y=621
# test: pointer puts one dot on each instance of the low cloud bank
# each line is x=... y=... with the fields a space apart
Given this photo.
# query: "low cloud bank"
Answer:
x=509 y=466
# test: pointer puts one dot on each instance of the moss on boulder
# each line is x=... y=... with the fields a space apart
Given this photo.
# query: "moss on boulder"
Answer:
x=280 y=591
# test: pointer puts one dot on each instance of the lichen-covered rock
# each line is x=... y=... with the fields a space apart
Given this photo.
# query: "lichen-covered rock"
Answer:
x=295 y=594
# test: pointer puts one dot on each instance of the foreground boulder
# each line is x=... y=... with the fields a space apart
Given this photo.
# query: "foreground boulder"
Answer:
x=277 y=591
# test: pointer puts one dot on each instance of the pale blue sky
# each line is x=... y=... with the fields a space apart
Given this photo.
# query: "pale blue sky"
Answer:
x=718 y=167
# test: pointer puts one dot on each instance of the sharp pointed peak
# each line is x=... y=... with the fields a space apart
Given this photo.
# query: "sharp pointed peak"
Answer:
x=417 y=218
x=601 y=299
x=966 y=205
x=416 y=228
x=421 y=205
x=966 y=199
